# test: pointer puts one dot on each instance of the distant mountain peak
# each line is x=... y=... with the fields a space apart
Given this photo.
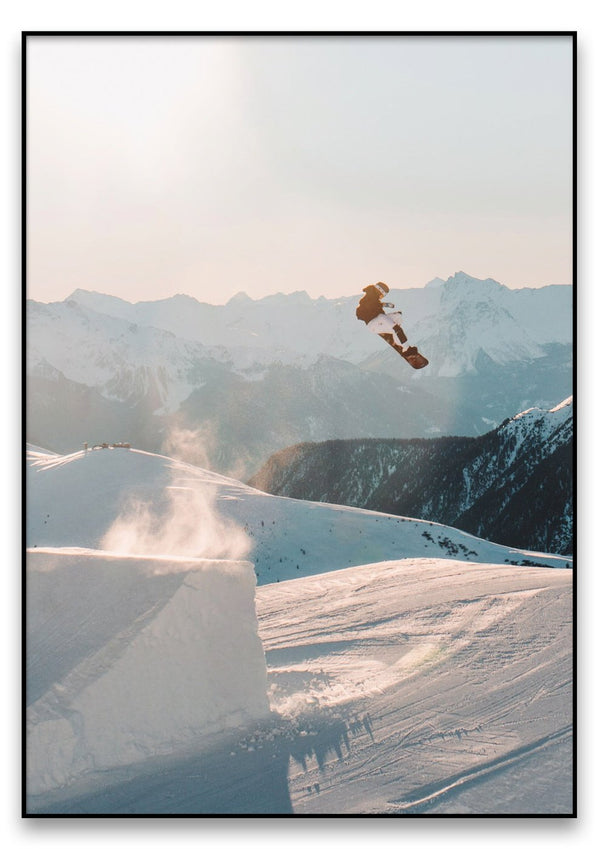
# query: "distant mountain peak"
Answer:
x=568 y=402
x=461 y=277
x=563 y=406
x=79 y=292
x=182 y=296
x=89 y=297
x=239 y=298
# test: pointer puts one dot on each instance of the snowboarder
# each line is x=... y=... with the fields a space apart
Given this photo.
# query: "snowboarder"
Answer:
x=370 y=310
x=387 y=325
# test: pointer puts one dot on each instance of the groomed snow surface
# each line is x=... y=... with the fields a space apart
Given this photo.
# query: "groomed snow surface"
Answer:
x=382 y=665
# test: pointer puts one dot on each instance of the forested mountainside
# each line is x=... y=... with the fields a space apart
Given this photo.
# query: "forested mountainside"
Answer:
x=513 y=485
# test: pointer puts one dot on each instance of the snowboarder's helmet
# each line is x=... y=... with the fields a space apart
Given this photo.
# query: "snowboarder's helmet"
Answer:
x=382 y=287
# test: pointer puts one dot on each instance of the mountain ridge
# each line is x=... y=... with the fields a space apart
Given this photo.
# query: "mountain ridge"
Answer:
x=160 y=365
x=417 y=304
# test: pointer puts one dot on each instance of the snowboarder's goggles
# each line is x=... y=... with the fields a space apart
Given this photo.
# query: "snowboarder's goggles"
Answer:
x=381 y=288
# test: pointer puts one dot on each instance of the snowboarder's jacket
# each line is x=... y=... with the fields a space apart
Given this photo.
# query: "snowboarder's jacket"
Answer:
x=370 y=305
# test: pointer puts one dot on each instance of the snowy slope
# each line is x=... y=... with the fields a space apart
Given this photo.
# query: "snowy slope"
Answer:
x=427 y=687
x=419 y=680
x=414 y=686
x=138 y=503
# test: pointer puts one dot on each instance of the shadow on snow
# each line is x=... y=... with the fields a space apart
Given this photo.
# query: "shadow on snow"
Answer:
x=238 y=776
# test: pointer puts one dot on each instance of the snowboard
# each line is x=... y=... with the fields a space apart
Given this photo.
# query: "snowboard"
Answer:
x=412 y=356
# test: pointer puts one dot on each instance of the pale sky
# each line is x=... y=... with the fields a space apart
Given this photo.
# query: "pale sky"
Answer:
x=213 y=165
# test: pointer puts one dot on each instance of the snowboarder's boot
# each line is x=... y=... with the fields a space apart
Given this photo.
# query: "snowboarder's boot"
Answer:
x=400 y=333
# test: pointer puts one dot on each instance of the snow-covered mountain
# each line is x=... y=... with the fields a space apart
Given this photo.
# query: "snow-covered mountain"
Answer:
x=124 y=361
x=146 y=693
x=513 y=485
x=102 y=369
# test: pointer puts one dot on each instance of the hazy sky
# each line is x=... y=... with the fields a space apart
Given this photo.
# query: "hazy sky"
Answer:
x=211 y=165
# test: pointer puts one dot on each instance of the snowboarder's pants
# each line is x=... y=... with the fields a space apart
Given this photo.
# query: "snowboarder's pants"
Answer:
x=384 y=323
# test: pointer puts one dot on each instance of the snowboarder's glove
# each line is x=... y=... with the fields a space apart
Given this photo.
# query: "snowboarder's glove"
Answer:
x=389 y=306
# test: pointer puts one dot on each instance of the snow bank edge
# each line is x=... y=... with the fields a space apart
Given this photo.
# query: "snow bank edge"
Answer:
x=130 y=657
